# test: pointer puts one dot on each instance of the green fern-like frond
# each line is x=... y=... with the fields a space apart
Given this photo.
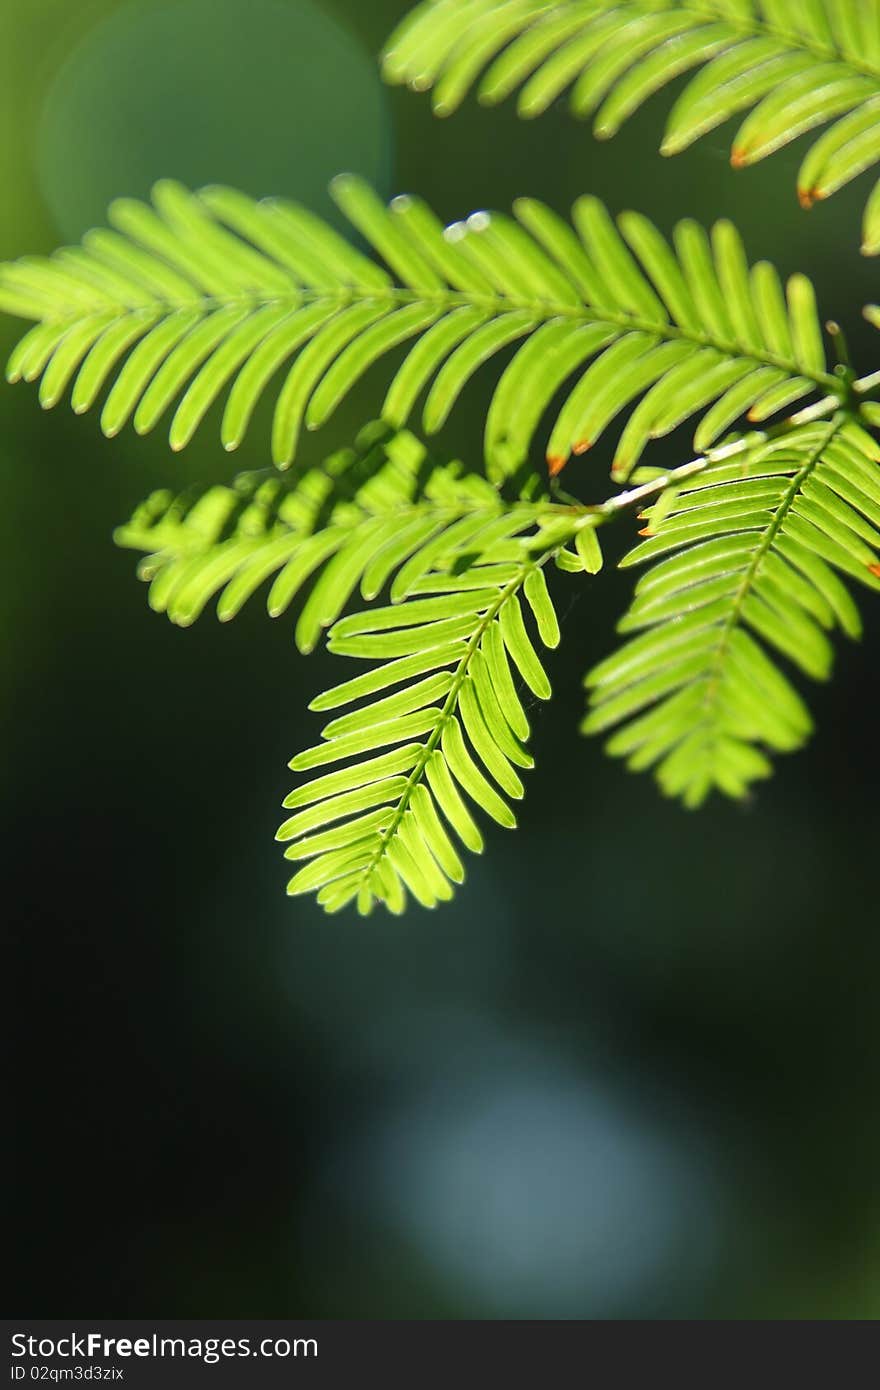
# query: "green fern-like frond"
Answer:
x=794 y=65
x=380 y=513
x=753 y=549
x=388 y=822
x=437 y=712
x=209 y=290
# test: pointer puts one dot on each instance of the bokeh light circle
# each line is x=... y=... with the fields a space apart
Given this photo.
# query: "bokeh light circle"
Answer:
x=271 y=96
x=531 y=1188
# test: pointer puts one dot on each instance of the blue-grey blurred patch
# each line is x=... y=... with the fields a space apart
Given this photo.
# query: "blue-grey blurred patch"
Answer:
x=272 y=96
x=531 y=1188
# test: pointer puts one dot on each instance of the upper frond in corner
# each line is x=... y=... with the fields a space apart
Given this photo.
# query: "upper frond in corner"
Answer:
x=793 y=65
x=749 y=557
x=209 y=290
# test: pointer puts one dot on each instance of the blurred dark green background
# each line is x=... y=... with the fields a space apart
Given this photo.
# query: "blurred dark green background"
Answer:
x=632 y=1070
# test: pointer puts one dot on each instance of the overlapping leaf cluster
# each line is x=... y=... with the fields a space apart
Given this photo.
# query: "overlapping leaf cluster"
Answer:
x=462 y=565
x=211 y=297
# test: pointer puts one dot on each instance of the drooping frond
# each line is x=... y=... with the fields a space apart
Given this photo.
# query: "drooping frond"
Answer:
x=211 y=290
x=752 y=550
x=793 y=65
x=390 y=821
x=377 y=513
x=437 y=712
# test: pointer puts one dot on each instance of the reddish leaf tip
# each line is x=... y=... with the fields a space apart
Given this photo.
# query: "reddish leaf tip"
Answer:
x=875 y=570
x=738 y=158
x=556 y=463
x=582 y=446
x=807 y=197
